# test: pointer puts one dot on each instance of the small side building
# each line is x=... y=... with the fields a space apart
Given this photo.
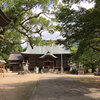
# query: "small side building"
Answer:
x=15 y=60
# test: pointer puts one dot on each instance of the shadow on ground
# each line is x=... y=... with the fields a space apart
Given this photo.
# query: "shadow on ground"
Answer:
x=65 y=88
x=16 y=88
x=54 y=87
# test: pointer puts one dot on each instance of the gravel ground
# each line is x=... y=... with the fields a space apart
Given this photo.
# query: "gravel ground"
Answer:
x=17 y=87
x=49 y=87
x=67 y=87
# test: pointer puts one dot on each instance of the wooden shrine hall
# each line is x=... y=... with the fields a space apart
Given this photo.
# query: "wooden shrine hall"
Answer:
x=47 y=56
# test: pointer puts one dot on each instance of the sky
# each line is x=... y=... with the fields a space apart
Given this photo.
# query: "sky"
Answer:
x=84 y=5
x=56 y=35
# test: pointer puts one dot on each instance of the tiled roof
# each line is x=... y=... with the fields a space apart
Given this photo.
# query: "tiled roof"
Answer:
x=15 y=56
x=53 y=49
x=48 y=54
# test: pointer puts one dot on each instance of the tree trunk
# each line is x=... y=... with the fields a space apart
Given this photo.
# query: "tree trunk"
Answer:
x=93 y=69
x=86 y=70
x=99 y=68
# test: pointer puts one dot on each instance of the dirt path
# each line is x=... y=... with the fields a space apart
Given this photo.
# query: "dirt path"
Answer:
x=67 y=87
x=17 y=87
x=50 y=87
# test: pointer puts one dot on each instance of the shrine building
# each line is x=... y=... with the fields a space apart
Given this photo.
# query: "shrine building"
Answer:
x=48 y=56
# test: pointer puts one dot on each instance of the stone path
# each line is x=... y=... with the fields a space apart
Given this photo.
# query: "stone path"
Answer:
x=58 y=87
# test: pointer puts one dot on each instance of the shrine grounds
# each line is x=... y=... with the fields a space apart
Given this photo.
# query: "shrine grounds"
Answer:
x=17 y=87
x=49 y=87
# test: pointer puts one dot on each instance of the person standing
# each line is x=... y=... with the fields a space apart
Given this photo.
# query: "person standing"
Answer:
x=37 y=70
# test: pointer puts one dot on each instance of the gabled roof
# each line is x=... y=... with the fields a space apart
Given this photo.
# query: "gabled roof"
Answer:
x=53 y=49
x=48 y=54
x=15 y=56
x=3 y=19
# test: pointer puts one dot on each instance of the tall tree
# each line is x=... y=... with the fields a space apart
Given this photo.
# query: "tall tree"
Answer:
x=81 y=27
x=25 y=21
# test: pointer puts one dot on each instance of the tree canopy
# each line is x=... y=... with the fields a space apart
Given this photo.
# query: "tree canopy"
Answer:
x=25 y=20
x=82 y=28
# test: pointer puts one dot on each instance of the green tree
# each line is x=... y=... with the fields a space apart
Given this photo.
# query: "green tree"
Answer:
x=6 y=49
x=39 y=41
x=81 y=28
x=25 y=21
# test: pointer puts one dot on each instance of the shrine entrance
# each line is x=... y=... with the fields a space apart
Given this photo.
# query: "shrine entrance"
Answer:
x=48 y=66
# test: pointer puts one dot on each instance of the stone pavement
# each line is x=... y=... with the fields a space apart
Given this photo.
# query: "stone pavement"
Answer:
x=58 y=87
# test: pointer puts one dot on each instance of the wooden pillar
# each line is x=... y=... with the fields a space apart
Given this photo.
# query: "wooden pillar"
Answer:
x=62 y=69
x=2 y=69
